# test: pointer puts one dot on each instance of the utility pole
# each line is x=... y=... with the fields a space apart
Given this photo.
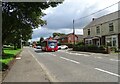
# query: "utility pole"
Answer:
x=21 y=41
x=73 y=32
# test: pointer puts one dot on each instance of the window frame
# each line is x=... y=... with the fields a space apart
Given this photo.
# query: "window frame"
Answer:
x=88 y=31
x=111 y=27
x=98 y=30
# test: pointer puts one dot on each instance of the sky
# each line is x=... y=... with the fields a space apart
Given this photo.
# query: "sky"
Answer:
x=60 y=18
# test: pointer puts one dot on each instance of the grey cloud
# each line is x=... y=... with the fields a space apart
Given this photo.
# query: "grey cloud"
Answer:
x=60 y=18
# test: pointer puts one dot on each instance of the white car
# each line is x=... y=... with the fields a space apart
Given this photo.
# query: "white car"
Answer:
x=38 y=47
x=63 y=47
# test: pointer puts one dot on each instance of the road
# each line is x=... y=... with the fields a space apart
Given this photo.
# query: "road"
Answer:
x=68 y=66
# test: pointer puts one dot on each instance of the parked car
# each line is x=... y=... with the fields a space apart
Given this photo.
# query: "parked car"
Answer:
x=30 y=45
x=63 y=47
x=38 y=46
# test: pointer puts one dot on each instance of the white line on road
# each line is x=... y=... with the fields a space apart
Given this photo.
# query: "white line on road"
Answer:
x=45 y=69
x=99 y=57
x=86 y=55
x=70 y=60
x=78 y=54
x=114 y=60
x=107 y=72
x=52 y=54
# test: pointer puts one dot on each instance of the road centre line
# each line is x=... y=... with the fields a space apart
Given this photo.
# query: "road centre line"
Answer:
x=70 y=60
x=107 y=72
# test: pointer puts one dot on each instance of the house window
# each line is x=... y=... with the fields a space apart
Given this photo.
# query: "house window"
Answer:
x=109 y=41
x=90 y=41
x=86 y=42
x=98 y=30
x=114 y=41
x=88 y=31
x=111 y=27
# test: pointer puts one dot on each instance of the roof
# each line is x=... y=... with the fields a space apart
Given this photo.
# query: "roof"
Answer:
x=65 y=36
x=56 y=37
x=103 y=19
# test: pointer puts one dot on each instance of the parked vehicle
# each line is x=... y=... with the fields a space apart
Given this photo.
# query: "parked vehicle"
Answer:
x=49 y=45
x=63 y=47
x=38 y=47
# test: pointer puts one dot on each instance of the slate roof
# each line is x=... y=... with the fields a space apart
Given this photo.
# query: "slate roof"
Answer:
x=103 y=19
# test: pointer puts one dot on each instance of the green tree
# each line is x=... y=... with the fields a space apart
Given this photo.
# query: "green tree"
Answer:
x=19 y=18
x=57 y=34
x=41 y=39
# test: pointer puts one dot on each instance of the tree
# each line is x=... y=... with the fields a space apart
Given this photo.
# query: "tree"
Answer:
x=19 y=18
x=58 y=34
x=41 y=39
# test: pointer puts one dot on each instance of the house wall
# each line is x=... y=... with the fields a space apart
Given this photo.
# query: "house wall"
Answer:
x=104 y=29
x=69 y=39
x=64 y=40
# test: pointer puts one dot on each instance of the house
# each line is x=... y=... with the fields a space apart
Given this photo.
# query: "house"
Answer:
x=104 y=30
x=50 y=38
x=80 y=38
x=69 y=38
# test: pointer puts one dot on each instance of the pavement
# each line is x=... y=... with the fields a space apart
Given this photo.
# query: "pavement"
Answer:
x=26 y=69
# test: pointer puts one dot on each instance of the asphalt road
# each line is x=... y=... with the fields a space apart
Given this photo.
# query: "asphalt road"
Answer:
x=69 y=66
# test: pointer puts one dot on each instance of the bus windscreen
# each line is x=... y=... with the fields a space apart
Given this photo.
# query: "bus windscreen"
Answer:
x=52 y=44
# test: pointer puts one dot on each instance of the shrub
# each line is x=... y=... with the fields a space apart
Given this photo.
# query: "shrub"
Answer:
x=102 y=47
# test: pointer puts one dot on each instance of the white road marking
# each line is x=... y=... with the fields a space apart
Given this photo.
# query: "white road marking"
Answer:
x=87 y=55
x=107 y=72
x=18 y=58
x=79 y=54
x=114 y=60
x=52 y=54
x=70 y=60
x=99 y=57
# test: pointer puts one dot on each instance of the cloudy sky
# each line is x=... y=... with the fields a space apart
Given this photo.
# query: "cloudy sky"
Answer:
x=59 y=19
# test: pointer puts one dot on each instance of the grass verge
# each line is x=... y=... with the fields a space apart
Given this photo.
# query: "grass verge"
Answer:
x=10 y=53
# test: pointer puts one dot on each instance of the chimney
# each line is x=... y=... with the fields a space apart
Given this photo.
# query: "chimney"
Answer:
x=93 y=19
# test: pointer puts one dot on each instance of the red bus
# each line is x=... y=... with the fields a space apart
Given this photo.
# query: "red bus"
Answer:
x=49 y=45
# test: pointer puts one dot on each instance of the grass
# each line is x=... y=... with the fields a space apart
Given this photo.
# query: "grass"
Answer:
x=9 y=55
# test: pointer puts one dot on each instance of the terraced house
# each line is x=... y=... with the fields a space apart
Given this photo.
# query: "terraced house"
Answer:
x=104 y=30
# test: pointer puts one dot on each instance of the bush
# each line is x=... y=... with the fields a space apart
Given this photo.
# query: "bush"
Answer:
x=102 y=47
x=79 y=43
x=113 y=48
x=90 y=48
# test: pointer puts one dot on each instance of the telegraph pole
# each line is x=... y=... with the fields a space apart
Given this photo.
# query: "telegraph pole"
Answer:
x=73 y=31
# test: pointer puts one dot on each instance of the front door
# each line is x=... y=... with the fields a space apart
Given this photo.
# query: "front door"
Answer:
x=97 y=43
